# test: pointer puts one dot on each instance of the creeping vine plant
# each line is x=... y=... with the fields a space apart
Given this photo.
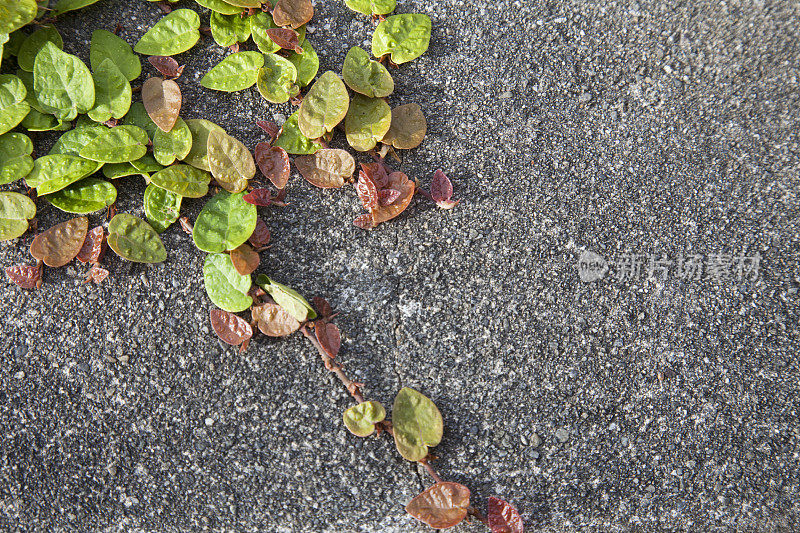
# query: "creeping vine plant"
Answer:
x=180 y=158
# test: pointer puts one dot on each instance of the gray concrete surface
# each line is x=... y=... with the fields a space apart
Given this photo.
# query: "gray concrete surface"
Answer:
x=662 y=127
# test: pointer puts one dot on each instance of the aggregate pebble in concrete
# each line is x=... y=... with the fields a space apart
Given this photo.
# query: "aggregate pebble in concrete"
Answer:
x=616 y=405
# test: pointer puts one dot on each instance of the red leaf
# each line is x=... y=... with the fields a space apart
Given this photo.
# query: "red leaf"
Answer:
x=285 y=38
x=388 y=196
x=503 y=517
x=245 y=260
x=93 y=247
x=442 y=190
x=165 y=7
x=323 y=307
x=231 y=328
x=367 y=191
x=376 y=171
x=96 y=274
x=234 y=47
x=260 y=237
x=166 y=65
x=329 y=337
x=364 y=221
x=270 y=128
x=26 y=276
x=441 y=506
x=399 y=182
x=259 y=197
x=273 y=162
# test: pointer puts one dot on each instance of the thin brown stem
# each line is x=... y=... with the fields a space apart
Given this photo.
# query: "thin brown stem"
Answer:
x=430 y=470
x=473 y=511
x=351 y=386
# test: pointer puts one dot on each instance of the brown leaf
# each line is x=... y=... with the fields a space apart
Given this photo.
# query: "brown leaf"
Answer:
x=376 y=171
x=388 y=196
x=26 y=276
x=166 y=65
x=364 y=221
x=442 y=190
x=232 y=329
x=503 y=517
x=441 y=506
x=273 y=162
x=273 y=321
x=327 y=168
x=94 y=246
x=367 y=191
x=285 y=38
x=260 y=237
x=259 y=197
x=408 y=127
x=292 y=13
x=328 y=337
x=60 y=244
x=165 y=7
x=270 y=128
x=245 y=260
x=322 y=306
x=400 y=182
x=162 y=99
x=96 y=274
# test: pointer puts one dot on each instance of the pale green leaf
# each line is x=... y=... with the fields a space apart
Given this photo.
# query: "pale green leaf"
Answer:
x=405 y=37
x=38 y=121
x=367 y=121
x=224 y=285
x=112 y=93
x=293 y=141
x=13 y=107
x=307 y=63
x=231 y=162
x=35 y=41
x=361 y=419
x=62 y=82
x=86 y=196
x=117 y=145
x=15 y=211
x=366 y=76
x=184 y=180
x=147 y=164
x=276 y=79
x=63 y=6
x=175 y=33
x=288 y=298
x=417 y=424
x=229 y=29
x=162 y=207
x=74 y=140
x=15 y=157
x=220 y=6
x=135 y=240
x=14 y=14
x=261 y=22
x=225 y=222
x=53 y=172
x=106 y=45
x=198 y=155
x=234 y=73
x=167 y=147
x=324 y=106
x=372 y=7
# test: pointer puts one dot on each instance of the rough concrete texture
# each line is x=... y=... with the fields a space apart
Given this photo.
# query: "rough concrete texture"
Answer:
x=646 y=404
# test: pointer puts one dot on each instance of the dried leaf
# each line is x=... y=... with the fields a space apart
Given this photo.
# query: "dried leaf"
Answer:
x=503 y=517
x=259 y=197
x=26 y=276
x=260 y=237
x=293 y=13
x=328 y=337
x=94 y=246
x=408 y=127
x=96 y=274
x=364 y=221
x=60 y=244
x=274 y=321
x=361 y=419
x=162 y=99
x=417 y=424
x=245 y=259
x=388 y=196
x=399 y=182
x=367 y=191
x=327 y=168
x=166 y=65
x=273 y=162
x=441 y=506
x=231 y=328
x=285 y=38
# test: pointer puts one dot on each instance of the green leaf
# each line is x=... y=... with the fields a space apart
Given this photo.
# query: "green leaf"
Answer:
x=324 y=106
x=15 y=40
x=62 y=82
x=367 y=121
x=13 y=107
x=366 y=76
x=86 y=196
x=135 y=240
x=15 y=157
x=120 y=170
x=183 y=180
x=73 y=141
x=146 y=164
x=307 y=63
x=172 y=35
x=117 y=145
x=220 y=6
x=3 y=40
x=372 y=7
x=14 y=14
x=405 y=37
x=38 y=121
x=112 y=93
x=198 y=155
x=162 y=207
x=63 y=6
x=15 y=211
x=361 y=419
x=52 y=173
x=137 y=116
x=417 y=424
x=35 y=41
x=106 y=45
x=225 y=222
x=261 y=22
x=293 y=141
x=234 y=73
x=167 y=147
x=289 y=299
x=227 y=288
x=276 y=79
x=231 y=162
x=229 y=29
